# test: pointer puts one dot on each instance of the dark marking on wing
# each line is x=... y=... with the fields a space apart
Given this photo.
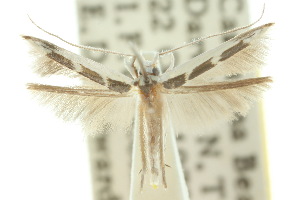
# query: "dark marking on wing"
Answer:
x=252 y=32
x=233 y=50
x=94 y=76
x=61 y=60
x=118 y=86
x=44 y=43
x=26 y=37
x=245 y=35
x=175 y=82
x=226 y=85
x=207 y=65
x=49 y=45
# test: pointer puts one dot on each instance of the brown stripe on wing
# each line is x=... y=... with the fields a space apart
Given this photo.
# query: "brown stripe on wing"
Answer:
x=252 y=32
x=118 y=86
x=207 y=65
x=82 y=70
x=74 y=91
x=90 y=74
x=233 y=50
x=263 y=81
x=175 y=82
x=44 y=43
x=48 y=60
x=61 y=60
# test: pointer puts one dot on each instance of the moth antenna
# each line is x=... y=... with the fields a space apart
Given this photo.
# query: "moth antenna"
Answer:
x=214 y=35
x=172 y=63
x=155 y=58
x=80 y=46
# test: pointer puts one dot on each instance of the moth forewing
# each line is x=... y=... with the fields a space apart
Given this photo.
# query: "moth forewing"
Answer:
x=240 y=55
x=52 y=59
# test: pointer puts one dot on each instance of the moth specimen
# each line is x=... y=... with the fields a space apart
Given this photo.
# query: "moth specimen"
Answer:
x=188 y=96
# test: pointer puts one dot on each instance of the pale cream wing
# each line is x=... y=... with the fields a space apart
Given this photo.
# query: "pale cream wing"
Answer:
x=101 y=111
x=240 y=55
x=51 y=59
x=197 y=108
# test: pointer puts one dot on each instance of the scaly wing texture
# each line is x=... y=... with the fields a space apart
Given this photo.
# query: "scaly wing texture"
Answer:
x=240 y=55
x=196 y=101
x=51 y=59
x=197 y=108
x=105 y=103
x=101 y=111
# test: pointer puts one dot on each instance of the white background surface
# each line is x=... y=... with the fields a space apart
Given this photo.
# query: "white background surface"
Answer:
x=42 y=159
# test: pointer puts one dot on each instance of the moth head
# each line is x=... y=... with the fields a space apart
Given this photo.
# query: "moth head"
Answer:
x=151 y=63
x=148 y=62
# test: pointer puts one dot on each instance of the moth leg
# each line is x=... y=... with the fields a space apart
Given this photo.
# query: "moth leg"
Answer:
x=168 y=165
x=162 y=162
x=142 y=179
x=142 y=172
x=144 y=168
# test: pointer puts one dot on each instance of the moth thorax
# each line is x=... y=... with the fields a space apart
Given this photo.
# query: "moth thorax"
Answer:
x=146 y=84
